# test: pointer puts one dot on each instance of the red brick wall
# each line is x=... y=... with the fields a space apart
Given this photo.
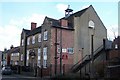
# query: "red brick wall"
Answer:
x=67 y=42
x=64 y=23
x=115 y=52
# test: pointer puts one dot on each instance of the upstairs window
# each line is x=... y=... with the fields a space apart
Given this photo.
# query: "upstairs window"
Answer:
x=39 y=38
x=45 y=53
x=116 y=46
x=21 y=57
x=70 y=50
x=39 y=56
x=45 y=57
x=33 y=40
x=28 y=41
x=58 y=50
x=45 y=35
x=27 y=61
x=91 y=24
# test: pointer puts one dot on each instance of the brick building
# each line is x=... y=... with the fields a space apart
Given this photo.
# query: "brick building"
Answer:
x=113 y=61
x=14 y=55
x=71 y=35
x=115 y=52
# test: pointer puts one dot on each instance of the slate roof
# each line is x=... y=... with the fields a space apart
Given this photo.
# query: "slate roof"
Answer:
x=56 y=23
x=32 y=32
x=13 y=50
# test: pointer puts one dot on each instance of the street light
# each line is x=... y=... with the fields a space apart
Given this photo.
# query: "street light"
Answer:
x=92 y=28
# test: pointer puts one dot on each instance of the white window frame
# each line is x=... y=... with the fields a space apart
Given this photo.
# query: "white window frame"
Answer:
x=33 y=40
x=45 y=57
x=21 y=57
x=39 y=38
x=91 y=24
x=18 y=54
x=116 y=46
x=58 y=50
x=39 y=57
x=70 y=50
x=28 y=41
x=12 y=54
x=45 y=37
x=44 y=63
x=27 y=61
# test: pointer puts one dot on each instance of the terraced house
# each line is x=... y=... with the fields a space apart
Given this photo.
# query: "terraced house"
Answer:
x=64 y=41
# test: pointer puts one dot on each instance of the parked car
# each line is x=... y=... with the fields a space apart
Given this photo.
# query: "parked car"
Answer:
x=6 y=70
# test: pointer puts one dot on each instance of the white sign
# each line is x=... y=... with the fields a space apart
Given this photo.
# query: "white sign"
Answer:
x=64 y=50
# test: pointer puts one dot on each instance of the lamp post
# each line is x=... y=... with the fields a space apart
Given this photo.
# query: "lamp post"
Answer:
x=92 y=29
x=92 y=52
x=92 y=55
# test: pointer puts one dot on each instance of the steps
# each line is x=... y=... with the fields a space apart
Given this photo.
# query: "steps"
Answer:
x=85 y=60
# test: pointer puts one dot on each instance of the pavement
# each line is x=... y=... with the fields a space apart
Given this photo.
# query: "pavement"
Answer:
x=22 y=76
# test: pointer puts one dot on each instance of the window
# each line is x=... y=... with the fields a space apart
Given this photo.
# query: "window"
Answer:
x=45 y=57
x=21 y=57
x=33 y=40
x=17 y=54
x=22 y=42
x=27 y=54
x=44 y=63
x=91 y=24
x=70 y=50
x=16 y=62
x=39 y=56
x=116 y=46
x=28 y=41
x=12 y=54
x=39 y=38
x=45 y=35
x=58 y=50
x=27 y=58
x=45 y=53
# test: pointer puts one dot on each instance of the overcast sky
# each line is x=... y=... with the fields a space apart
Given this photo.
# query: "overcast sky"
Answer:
x=14 y=16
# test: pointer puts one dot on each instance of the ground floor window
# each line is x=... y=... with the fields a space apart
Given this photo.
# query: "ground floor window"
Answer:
x=44 y=63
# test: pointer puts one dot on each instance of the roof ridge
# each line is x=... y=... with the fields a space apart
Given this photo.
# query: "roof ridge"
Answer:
x=51 y=18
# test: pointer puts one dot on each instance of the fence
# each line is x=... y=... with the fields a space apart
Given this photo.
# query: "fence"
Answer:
x=50 y=70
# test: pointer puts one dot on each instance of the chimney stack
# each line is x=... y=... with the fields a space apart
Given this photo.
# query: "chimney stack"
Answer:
x=33 y=25
x=64 y=23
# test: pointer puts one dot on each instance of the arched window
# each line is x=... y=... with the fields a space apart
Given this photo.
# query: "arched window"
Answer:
x=91 y=24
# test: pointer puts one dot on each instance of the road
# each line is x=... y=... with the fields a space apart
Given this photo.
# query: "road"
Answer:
x=21 y=77
x=17 y=77
x=14 y=76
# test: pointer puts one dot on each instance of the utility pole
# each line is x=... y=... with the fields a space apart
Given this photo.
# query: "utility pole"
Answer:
x=92 y=55
x=61 y=50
